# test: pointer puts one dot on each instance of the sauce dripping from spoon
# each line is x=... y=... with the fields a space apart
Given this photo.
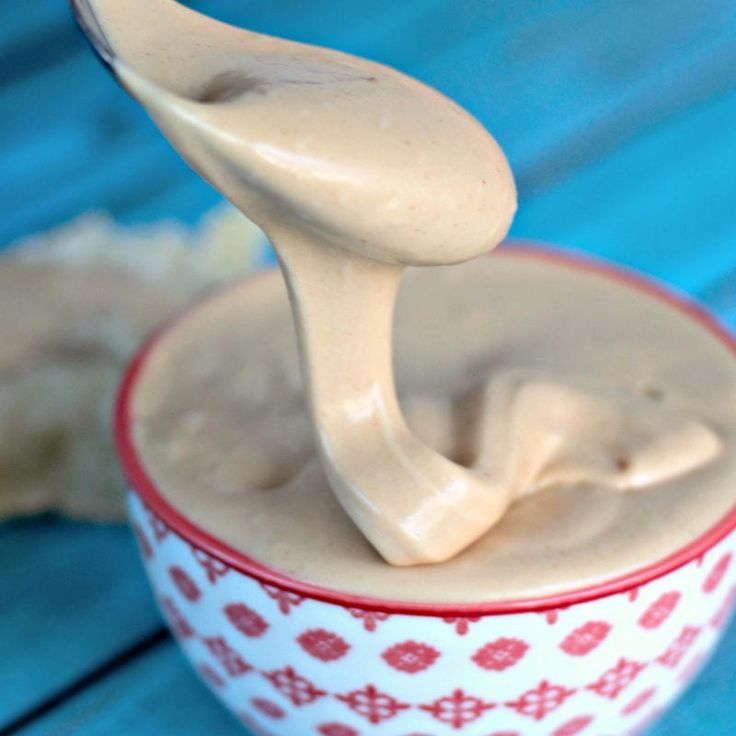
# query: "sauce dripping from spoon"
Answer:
x=356 y=171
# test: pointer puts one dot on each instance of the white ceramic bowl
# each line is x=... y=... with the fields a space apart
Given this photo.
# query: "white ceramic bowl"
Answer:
x=292 y=659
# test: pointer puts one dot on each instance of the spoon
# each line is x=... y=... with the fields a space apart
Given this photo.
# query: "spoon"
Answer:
x=354 y=171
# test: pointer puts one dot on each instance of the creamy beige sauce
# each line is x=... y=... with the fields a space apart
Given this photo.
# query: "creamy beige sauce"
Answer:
x=355 y=171
x=222 y=427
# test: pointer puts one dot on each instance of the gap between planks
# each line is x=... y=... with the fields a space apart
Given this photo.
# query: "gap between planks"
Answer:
x=68 y=692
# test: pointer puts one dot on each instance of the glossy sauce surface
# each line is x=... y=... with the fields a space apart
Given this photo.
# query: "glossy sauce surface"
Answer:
x=230 y=444
x=356 y=171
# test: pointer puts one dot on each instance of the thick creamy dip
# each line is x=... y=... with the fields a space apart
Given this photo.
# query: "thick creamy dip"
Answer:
x=353 y=170
x=220 y=422
x=356 y=171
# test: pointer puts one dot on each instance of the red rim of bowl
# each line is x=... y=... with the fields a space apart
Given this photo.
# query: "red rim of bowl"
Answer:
x=146 y=489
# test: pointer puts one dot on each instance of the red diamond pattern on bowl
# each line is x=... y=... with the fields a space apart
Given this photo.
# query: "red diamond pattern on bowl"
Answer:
x=612 y=682
x=246 y=620
x=285 y=599
x=143 y=543
x=213 y=568
x=374 y=705
x=184 y=584
x=642 y=698
x=267 y=621
x=585 y=638
x=541 y=700
x=336 y=729
x=230 y=660
x=458 y=709
x=660 y=610
x=501 y=654
x=179 y=625
x=158 y=527
x=370 y=619
x=721 y=615
x=461 y=623
x=268 y=708
x=323 y=645
x=293 y=686
x=716 y=574
x=410 y=657
x=573 y=727
x=210 y=676
x=679 y=647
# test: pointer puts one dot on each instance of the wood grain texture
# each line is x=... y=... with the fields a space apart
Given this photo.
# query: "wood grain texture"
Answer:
x=665 y=203
x=156 y=695
x=71 y=596
x=560 y=84
x=159 y=695
x=618 y=118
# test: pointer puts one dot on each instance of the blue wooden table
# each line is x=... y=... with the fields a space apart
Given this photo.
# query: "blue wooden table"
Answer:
x=619 y=117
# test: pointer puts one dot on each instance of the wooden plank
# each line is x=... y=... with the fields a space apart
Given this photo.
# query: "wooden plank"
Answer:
x=71 y=596
x=557 y=82
x=158 y=695
x=19 y=26
x=663 y=204
x=568 y=87
x=538 y=65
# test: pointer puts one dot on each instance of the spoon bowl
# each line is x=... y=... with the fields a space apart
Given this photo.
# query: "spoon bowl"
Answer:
x=250 y=112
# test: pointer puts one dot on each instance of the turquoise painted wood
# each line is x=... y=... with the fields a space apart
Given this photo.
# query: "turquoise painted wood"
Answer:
x=618 y=118
x=159 y=695
x=559 y=83
x=565 y=87
x=71 y=596
x=156 y=695
x=665 y=203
